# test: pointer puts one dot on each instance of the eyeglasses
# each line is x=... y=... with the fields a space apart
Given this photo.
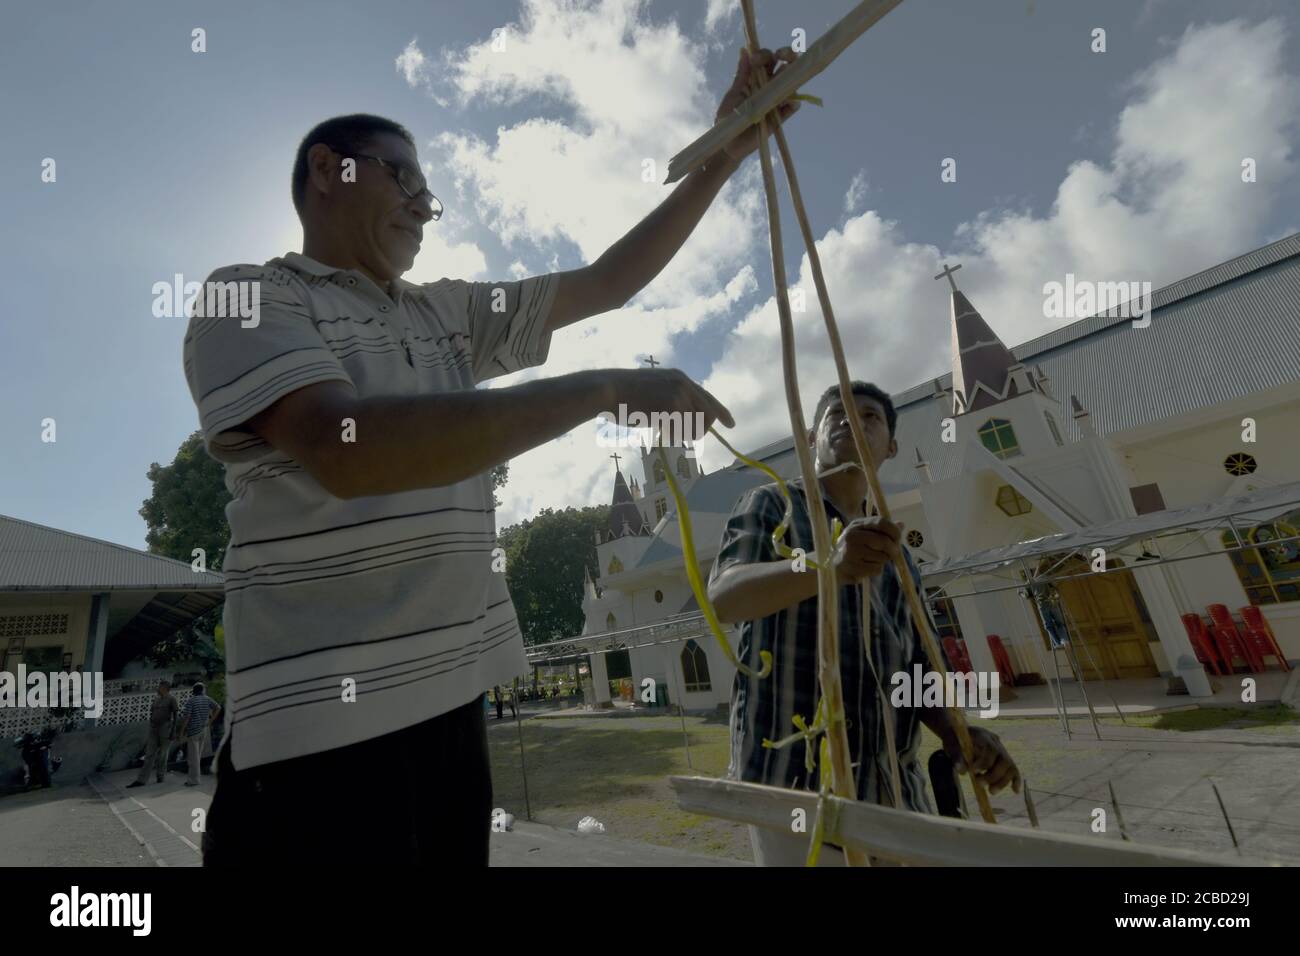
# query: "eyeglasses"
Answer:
x=410 y=181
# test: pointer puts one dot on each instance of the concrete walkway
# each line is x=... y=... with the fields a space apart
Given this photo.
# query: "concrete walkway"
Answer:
x=1109 y=698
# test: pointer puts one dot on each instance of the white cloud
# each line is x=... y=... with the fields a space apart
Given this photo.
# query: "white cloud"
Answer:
x=719 y=12
x=599 y=121
x=856 y=193
x=411 y=63
x=1169 y=201
x=574 y=172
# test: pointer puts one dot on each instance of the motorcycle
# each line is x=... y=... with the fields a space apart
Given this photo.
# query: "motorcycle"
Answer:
x=39 y=765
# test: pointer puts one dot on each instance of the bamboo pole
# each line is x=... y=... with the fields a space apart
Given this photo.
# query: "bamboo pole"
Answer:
x=921 y=620
x=523 y=767
x=828 y=663
x=811 y=62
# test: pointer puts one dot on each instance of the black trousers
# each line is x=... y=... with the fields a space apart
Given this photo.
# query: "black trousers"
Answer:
x=422 y=795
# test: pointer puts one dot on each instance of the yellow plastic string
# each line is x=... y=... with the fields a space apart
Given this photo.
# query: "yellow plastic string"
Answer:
x=697 y=584
x=778 y=534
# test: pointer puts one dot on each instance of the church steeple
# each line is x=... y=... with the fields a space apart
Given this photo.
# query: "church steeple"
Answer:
x=624 y=516
x=983 y=368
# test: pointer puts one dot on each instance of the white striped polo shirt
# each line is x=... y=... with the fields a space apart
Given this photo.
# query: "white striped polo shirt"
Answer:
x=395 y=592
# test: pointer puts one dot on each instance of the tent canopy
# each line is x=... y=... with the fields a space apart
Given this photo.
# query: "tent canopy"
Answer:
x=1258 y=507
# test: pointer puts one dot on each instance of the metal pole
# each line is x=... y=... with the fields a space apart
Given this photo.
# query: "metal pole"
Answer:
x=1101 y=674
x=1078 y=676
x=681 y=712
x=528 y=806
x=1114 y=802
x=1028 y=597
x=1029 y=806
x=1224 y=810
x=1056 y=660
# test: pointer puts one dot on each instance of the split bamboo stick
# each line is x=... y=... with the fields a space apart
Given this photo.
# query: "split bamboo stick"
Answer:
x=919 y=617
x=828 y=661
x=813 y=60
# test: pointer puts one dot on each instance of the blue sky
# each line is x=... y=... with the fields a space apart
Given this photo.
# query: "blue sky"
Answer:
x=1116 y=165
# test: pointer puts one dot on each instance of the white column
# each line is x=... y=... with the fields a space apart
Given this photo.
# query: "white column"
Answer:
x=1152 y=582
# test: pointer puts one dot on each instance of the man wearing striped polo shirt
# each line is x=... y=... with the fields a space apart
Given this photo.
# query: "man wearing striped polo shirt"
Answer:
x=363 y=621
x=776 y=607
x=197 y=717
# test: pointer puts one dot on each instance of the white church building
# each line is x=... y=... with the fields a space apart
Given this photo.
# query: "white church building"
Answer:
x=1097 y=431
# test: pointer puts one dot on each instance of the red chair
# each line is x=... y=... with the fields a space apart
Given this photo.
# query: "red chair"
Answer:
x=1006 y=672
x=958 y=659
x=1261 y=637
x=1231 y=643
x=1202 y=644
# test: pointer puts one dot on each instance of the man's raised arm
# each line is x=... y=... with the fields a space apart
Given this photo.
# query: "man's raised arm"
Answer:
x=629 y=265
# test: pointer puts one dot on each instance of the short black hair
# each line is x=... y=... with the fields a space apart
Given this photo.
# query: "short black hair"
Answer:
x=870 y=389
x=343 y=134
x=199 y=688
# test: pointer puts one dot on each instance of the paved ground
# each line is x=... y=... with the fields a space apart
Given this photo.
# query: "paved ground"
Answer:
x=65 y=826
x=104 y=824
x=1163 y=782
x=1161 y=777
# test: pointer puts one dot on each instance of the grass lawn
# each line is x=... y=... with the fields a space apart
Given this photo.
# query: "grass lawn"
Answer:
x=616 y=769
x=1266 y=718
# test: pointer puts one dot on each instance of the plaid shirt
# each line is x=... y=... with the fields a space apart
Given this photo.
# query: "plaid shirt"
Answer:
x=764 y=708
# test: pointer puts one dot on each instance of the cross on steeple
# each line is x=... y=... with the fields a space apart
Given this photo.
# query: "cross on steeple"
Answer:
x=650 y=360
x=617 y=458
x=947 y=273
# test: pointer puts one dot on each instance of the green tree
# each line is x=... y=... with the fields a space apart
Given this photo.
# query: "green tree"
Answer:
x=187 y=510
x=545 y=556
x=500 y=475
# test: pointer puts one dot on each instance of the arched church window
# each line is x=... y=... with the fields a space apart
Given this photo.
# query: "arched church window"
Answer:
x=683 y=468
x=1051 y=427
x=999 y=437
x=695 y=667
x=615 y=565
x=659 y=471
x=611 y=623
x=661 y=508
x=1269 y=571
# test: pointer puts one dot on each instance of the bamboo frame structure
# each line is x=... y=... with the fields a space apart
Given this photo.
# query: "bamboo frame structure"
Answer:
x=920 y=839
x=811 y=62
x=828 y=636
x=828 y=662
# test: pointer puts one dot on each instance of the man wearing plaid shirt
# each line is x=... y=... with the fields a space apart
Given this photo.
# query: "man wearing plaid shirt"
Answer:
x=776 y=607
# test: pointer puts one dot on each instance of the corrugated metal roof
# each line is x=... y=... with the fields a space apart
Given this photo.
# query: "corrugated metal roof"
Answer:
x=1215 y=336
x=34 y=557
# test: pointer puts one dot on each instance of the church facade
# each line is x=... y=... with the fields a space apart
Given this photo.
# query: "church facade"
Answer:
x=1093 y=423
